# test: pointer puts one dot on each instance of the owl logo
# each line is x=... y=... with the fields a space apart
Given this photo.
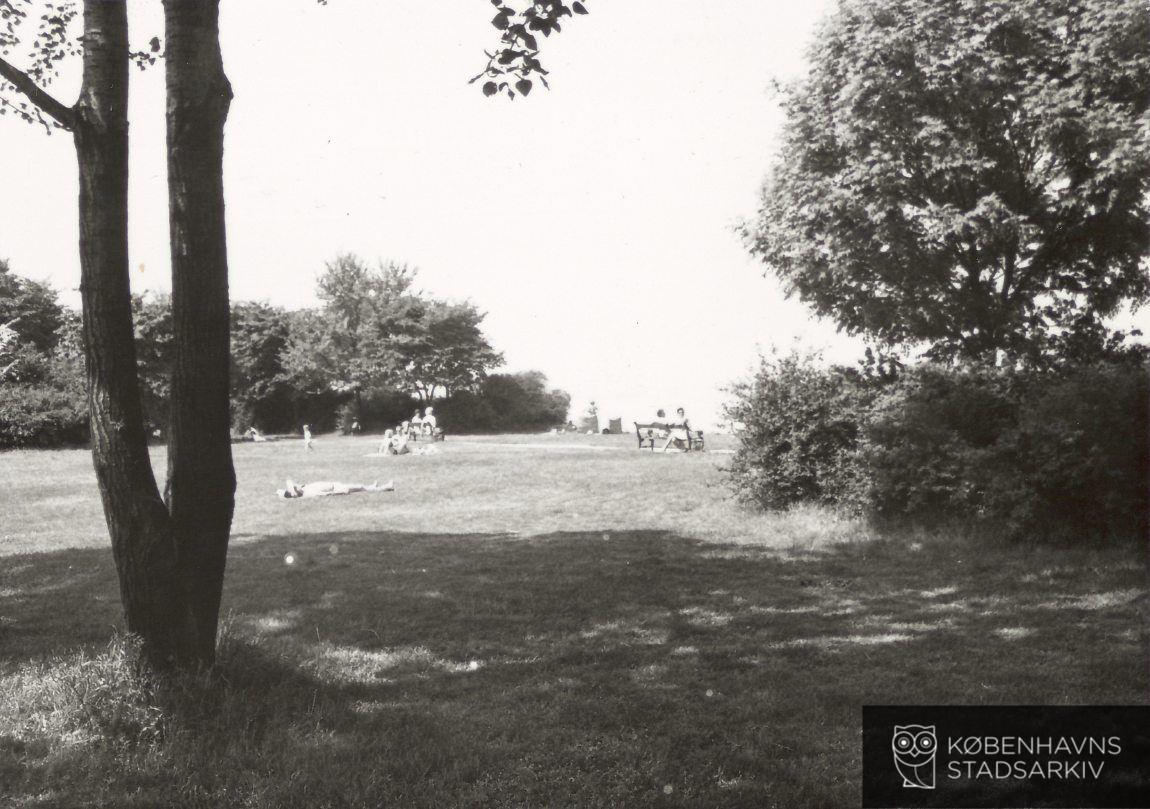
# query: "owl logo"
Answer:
x=914 y=747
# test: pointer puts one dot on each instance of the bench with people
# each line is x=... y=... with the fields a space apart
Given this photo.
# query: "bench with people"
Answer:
x=674 y=434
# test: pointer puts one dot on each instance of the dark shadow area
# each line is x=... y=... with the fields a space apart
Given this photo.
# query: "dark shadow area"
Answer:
x=592 y=669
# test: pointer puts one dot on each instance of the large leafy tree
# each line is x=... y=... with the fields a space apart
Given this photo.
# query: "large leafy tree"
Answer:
x=354 y=343
x=139 y=525
x=30 y=318
x=972 y=174
x=30 y=309
x=152 y=324
x=376 y=331
x=448 y=351
x=261 y=394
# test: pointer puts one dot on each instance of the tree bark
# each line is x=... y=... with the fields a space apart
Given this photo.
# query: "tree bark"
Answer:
x=200 y=491
x=142 y=543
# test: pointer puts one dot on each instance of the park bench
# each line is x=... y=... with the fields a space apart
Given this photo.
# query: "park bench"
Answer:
x=649 y=434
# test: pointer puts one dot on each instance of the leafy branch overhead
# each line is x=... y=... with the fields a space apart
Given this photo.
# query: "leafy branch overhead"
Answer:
x=514 y=66
x=38 y=35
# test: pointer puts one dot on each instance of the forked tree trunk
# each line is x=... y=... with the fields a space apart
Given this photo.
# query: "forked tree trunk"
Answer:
x=201 y=479
x=142 y=542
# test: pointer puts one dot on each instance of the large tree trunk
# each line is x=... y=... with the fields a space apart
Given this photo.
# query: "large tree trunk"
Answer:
x=201 y=479
x=142 y=543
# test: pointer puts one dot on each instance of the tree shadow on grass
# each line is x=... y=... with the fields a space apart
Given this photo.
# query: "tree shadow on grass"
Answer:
x=591 y=669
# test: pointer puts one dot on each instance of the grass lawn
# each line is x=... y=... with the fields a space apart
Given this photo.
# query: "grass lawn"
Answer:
x=573 y=624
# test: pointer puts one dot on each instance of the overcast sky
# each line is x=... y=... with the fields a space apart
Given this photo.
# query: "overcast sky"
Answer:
x=594 y=223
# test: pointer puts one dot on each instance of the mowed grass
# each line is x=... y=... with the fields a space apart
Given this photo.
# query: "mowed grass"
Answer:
x=574 y=624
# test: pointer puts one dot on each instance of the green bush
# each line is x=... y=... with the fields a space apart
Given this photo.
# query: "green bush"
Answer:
x=378 y=410
x=1076 y=463
x=928 y=439
x=42 y=415
x=506 y=403
x=799 y=430
x=1043 y=454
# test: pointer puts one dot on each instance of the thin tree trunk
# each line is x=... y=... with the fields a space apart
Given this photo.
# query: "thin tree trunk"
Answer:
x=200 y=491
x=142 y=543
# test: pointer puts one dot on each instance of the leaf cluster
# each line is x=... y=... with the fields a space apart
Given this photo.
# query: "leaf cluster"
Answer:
x=513 y=67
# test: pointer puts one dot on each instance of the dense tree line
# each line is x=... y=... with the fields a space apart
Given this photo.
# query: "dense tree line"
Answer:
x=374 y=350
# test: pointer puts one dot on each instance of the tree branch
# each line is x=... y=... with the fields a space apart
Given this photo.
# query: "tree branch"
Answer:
x=36 y=94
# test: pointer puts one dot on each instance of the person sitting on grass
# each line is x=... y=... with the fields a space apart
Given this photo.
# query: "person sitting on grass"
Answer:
x=429 y=421
x=255 y=434
x=329 y=488
x=394 y=443
x=385 y=445
x=399 y=444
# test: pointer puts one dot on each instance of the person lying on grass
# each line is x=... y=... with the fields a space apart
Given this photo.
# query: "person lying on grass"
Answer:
x=328 y=488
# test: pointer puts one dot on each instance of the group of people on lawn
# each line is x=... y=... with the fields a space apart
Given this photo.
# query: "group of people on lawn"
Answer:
x=396 y=440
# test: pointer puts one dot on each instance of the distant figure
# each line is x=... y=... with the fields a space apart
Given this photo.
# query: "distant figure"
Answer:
x=255 y=434
x=355 y=428
x=408 y=429
x=328 y=488
x=429 y=421
x=416 y=421
x=307 y=441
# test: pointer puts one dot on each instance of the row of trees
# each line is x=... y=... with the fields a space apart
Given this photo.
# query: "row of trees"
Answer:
x=373 y=351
